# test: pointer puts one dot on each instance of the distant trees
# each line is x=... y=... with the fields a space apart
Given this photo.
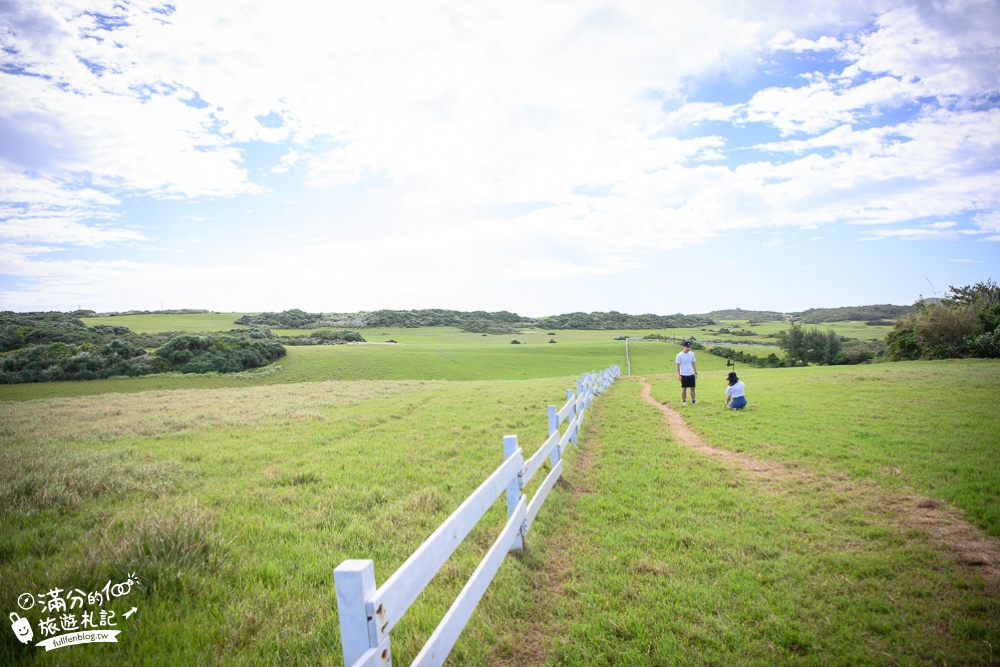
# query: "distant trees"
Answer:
x=289 y=319
x=615 y=320
x=854 y=314
x=48 y=347
x=744 y=357
x=749 y=315
x=478 y=321
x=963 y=324
x=813 y=346
x=324 y=337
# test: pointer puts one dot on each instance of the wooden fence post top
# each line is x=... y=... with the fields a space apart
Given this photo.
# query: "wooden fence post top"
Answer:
x=354 y=565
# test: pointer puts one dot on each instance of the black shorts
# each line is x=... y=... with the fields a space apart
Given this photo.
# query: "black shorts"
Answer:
x=687 y=381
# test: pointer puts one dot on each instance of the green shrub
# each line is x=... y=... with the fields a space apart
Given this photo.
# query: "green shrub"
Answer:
x=221 y=354
x=60 y=361
x=985 y=345
x=963 y=324
x=345 y=336
x=67 y=361
x=740 y=356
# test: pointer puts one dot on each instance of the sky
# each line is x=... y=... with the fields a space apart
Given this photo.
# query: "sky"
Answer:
x=539 y=157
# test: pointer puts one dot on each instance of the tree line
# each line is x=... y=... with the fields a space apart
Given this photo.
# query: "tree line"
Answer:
x=965 y=323
x=478 y=321
x=38 y=347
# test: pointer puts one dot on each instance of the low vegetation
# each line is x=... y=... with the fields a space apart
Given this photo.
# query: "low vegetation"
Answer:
x=966 y=323
x=474 y=322
x=185 y=353
x=882 y=312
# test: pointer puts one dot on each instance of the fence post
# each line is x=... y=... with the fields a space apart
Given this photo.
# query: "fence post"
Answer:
x=553 y=427
x=513 y=489
x=569 y=397
x=354 y=581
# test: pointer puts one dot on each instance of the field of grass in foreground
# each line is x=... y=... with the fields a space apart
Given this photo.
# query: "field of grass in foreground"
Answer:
x=233 y=505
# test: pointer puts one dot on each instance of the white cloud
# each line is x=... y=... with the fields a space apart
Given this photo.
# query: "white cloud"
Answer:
x=561 y=139
x=945 y=49
x=786 y=40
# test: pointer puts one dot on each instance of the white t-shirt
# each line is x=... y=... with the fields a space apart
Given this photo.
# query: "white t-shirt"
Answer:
x=736 y=390
x=686 y=359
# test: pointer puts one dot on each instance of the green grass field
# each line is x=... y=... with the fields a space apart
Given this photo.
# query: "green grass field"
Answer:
x=195 y=322
x=232 y=500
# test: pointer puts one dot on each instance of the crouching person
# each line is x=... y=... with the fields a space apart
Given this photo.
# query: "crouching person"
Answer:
x=736 y=398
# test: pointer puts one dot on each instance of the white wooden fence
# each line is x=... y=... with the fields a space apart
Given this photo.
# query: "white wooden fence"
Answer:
x=368 y=614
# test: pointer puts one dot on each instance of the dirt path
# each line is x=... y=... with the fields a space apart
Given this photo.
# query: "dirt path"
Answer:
x=964 y=543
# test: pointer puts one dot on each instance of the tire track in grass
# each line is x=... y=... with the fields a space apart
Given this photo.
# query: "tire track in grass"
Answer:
x=964 y=543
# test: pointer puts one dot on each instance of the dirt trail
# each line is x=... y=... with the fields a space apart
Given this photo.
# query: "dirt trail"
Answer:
x=963 y=542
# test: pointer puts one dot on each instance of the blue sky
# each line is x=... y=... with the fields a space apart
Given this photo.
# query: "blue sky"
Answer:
x=537 y=157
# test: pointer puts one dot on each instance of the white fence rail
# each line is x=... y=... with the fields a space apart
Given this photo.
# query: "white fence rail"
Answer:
x=368 y=614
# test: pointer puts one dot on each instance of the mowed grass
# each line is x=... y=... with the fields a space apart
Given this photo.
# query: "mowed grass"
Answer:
x=233 y=504
x=442 y=353
x=933 y=427
x=155 y=323
x=672 y=557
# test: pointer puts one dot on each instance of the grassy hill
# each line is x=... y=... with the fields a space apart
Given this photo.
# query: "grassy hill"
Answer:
x=232 y=499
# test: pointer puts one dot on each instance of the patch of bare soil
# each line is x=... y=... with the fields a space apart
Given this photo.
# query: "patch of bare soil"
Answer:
x=964 y=543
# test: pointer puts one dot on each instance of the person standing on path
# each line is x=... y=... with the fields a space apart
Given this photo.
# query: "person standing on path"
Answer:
x=687 y=371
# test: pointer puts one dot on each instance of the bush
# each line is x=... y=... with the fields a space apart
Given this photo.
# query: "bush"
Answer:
x=986 y=346
x=941 y=331
x=328 y=335
x=323 y=337
x=739 y=356
x=861 y=352
x=222 y=354
x=961 y=325
x=811 y=346
x=66 y=361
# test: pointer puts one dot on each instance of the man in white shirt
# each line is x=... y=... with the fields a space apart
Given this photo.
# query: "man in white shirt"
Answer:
x=687 y=371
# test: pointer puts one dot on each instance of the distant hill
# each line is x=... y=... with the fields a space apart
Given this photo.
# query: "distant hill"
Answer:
x=476 y=321
x=740 y=314
x=853 y=314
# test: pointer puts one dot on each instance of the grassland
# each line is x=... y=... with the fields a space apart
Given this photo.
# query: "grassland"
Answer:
x=420 y=354
x=233 y=499
x=193 y=322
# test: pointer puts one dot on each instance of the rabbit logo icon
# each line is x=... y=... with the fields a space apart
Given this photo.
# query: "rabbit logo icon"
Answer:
x=21 y=628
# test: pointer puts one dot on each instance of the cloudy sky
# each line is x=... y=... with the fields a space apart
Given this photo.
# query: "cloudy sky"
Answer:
x=541 y=157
